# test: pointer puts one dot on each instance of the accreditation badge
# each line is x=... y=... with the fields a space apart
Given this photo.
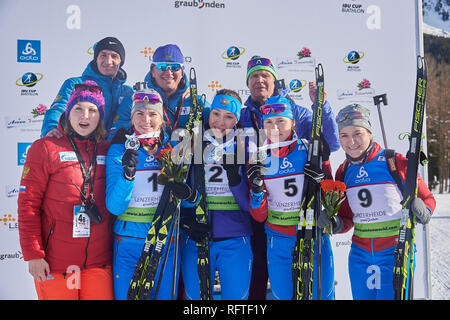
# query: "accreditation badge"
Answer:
x=81 y=223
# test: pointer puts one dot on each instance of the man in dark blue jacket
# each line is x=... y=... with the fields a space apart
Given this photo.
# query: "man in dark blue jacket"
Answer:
x=261 y=78
x=106 y=70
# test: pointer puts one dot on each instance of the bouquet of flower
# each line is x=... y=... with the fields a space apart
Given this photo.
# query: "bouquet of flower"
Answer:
x=170 y=172
x=333 y=196
x=364 y=84
x=305 y=52
x=39 y=110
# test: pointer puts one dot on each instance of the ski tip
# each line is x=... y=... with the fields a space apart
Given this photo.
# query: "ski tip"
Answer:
x=192 y=74
x=319 y=70
x=421 y=64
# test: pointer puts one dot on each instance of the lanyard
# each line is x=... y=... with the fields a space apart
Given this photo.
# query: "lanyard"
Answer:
x=87 y=181
x=175 y=116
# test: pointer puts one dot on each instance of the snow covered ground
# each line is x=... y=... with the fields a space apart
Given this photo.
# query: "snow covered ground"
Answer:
x=440 y=248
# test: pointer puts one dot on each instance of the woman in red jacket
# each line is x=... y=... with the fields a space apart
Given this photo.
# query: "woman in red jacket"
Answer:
x=64 y=226
x=372 y=205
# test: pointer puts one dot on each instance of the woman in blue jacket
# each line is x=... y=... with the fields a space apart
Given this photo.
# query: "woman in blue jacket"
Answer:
x=132 y=191
x=227 y=204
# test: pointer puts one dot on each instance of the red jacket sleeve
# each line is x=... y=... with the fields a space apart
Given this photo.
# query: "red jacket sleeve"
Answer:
x=33 y=184
x=260 y=213
x=422 y=190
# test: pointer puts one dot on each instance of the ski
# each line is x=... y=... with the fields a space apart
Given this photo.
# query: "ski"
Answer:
x=307 y=233
x=404 y=252
x=143 y=279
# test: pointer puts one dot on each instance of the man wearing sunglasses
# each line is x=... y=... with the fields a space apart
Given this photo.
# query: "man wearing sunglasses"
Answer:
x=168 y=76
x=106 y=70
x=261 y=78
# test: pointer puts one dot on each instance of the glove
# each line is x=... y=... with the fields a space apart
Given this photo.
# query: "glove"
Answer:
x=232 y=170
x=255 y=175
x=324 y=221
x=129 y=163
x=420 y=210
x=182 y=191
x=256 y=199
x=313 y=173
x=325 y=149
x=195 y=230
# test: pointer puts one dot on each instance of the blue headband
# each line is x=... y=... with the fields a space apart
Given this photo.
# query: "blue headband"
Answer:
x=228 y=103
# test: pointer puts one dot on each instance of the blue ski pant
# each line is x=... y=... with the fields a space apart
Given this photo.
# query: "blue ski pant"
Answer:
x=279 y=261
x=232 y=258
x=371 y=273
x=127 y=251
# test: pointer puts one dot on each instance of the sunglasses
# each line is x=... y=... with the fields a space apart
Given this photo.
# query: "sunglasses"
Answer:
x=146 y=97
x=163 y=66
x=259 y=62
x=83 y=87
x=273 y=108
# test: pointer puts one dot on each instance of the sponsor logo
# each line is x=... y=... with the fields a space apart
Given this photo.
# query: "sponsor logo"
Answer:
x=9 y=221
x=199 y=4
x=14 y=255
x=22 y=151
x=232 y=54
x=29 y=80
x=214 y=85
x=29 y=51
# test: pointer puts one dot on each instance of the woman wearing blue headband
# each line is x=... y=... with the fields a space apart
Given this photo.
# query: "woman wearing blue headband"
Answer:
x=226 y=193
x=276 y=196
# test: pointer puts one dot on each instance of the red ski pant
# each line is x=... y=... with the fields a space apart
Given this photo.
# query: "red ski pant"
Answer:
x=87 y=284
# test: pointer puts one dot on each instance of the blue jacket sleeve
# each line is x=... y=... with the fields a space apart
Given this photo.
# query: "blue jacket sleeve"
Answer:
x=118 y=189
x=58 y=106
x=241 y=191
x=330 y=130
x=123 y=116
x=303 y=121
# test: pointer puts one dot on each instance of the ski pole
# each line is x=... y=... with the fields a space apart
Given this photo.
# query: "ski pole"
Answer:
x=377 y=101
x=176 y=249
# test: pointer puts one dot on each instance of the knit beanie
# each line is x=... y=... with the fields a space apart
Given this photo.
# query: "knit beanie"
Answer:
x=147 y=99
x=110 y=43
x=260 y=63
x=88 y=91
x=354 y=115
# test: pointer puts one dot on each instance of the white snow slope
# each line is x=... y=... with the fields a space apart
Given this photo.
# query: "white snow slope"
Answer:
x=440 y=248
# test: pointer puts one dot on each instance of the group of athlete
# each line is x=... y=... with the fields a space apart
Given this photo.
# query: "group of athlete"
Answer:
x=254 y=166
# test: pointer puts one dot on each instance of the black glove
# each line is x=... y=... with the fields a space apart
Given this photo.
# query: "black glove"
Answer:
x=313 y=173
x=129 y=163
x=325 y=149
x=232 y=170
x=255 y=175
x=195 y=230
x=420 y=210
x=336 y=222
x=182 y=191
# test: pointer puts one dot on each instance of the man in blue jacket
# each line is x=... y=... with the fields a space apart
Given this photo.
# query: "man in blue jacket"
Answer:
x=168 y=76
x=106 y=70
x=261 y=78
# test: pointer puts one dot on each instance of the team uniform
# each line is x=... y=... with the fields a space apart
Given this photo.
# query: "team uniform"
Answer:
x=373 y=208
x=229 y=220
x=134 y=203
x=284 y=182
